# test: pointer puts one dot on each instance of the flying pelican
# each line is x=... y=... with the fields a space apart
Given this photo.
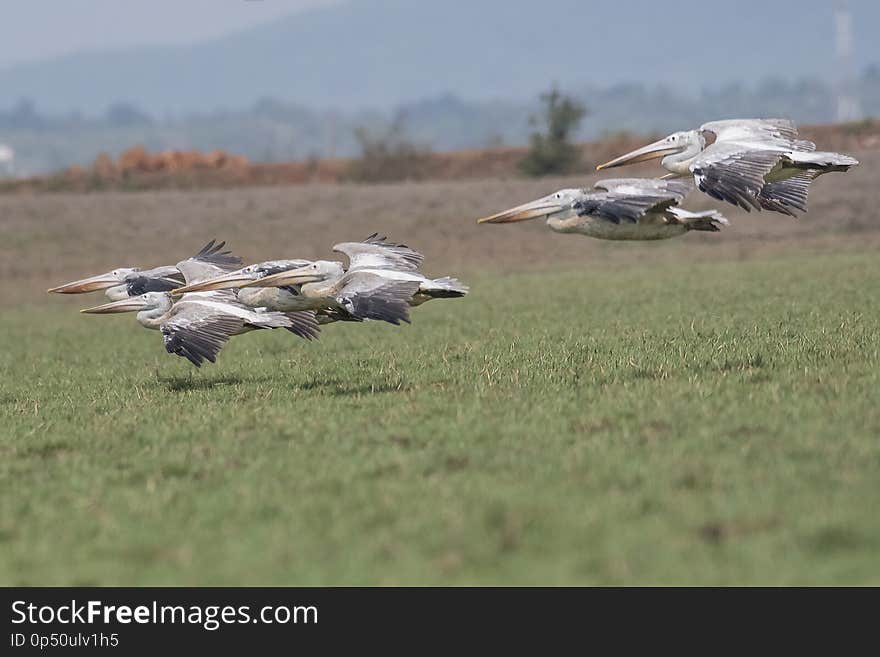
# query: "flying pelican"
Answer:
x=124 y=282
x=198 y=325
x=751 y=163
x=132 y=281
x=375 y=264
x=617 y=209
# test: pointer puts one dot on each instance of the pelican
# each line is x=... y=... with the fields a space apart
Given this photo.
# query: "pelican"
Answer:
x=198 y=325
x=752 y=163
x=132 y=281
x=617 y=209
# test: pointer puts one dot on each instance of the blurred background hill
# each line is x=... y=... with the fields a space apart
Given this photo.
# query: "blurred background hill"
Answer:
x=285 y=80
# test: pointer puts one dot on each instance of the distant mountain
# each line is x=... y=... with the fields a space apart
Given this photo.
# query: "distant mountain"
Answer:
x=381 y=53
x=273 y=130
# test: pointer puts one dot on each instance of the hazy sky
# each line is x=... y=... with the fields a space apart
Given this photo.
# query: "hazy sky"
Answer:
x=37 y=29
x=84 y=55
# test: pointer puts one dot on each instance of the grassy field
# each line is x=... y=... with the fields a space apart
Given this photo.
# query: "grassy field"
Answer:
x=611 y=423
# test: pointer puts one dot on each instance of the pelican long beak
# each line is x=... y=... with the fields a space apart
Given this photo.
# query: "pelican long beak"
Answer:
x=230 y=281
x=122 y=306
x=532 y=210
x=297 y=276
x=659 y=148
x=92 y=284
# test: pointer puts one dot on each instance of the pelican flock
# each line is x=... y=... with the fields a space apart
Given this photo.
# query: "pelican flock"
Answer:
x=755 y=164
x=202 y=301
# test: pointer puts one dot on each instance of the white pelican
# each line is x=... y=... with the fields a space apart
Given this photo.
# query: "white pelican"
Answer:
x=197 y=326
x=132 y=281
x=751 y=163
x=617 y=209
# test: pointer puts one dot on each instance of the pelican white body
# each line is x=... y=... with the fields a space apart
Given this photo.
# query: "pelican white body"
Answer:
x=650 y=227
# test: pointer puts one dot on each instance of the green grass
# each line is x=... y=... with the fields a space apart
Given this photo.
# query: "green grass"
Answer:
x=695 y=423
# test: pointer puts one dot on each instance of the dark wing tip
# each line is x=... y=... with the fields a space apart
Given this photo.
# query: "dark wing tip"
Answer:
x=212 y=254
x=199 y=342
x=304 y=324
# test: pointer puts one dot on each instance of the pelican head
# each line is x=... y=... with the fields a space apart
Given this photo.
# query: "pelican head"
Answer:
x=148 y=306
x=320 y=270
x=147 y=301
x=556 y=205
x=677 y=150
x=112 y=281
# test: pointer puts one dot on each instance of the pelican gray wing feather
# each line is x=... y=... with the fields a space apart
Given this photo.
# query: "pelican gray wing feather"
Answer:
x=198 y=334
x=369 y=296
x=629 y=199
x=734 y=172
x=376 y=252
x=208 y=263
x=303 y=323
x=783 y=195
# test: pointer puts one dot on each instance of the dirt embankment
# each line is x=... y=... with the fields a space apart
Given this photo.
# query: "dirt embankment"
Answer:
x=137 y=169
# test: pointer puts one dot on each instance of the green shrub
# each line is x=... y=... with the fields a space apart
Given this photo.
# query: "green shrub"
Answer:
x=550 y=151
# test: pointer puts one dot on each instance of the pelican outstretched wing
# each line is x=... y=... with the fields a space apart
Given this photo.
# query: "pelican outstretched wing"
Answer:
x=734 y=172
x=376 y=252
x=198 y=334
x=628 y=199
x=208 y=263
x=370 y=296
